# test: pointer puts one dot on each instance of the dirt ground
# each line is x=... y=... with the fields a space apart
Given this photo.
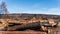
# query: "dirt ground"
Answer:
x=21 y=32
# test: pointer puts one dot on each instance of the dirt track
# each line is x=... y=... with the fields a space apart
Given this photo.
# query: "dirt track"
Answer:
x=21 y=32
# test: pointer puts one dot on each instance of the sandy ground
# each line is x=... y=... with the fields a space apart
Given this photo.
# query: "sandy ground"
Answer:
x=21 y=32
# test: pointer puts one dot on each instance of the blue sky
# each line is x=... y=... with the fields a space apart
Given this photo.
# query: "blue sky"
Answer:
x=33 y=6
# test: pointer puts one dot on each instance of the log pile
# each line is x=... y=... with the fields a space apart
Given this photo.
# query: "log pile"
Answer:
x=26 y=22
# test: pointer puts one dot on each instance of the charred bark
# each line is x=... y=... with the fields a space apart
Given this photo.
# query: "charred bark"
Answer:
x=34 y=26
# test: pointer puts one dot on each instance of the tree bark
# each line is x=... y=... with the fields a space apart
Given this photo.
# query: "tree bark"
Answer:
x=35 y=25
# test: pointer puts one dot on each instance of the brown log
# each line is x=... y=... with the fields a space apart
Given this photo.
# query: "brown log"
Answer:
x=35 y=25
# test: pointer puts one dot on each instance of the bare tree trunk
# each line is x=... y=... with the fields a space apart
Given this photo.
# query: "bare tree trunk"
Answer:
x=26 y=26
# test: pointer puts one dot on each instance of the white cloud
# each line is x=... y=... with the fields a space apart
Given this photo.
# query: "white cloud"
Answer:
x=43 y=11
x=36 y=5
x=17 y=9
